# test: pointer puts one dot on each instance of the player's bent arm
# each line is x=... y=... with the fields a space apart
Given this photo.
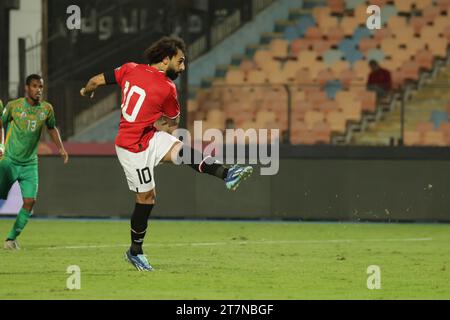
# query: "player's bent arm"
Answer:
x=56 y=137
x=92 y=85
x=166 y=124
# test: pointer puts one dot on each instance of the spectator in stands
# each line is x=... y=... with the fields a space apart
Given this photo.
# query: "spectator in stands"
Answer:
x=379 y=80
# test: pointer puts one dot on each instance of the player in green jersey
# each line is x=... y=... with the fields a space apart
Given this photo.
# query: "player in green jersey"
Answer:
x=24 y=119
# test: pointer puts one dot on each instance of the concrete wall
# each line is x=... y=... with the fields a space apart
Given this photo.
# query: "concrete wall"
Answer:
x=336 y=189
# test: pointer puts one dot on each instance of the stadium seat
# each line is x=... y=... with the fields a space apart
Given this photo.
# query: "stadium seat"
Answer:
x=332 y=87
x=247 y=65
x=291 y=33
x=346 y=77
x=438 y=47
x=417 y=23
x=368 y=100
x=335 y=35
x=441 y=22
x=430 y=13
x=321 y=132
x=412 y=138
x=261 y=57
x=360 y=14
x=367 y=44
x=279 y=48
x=321 y=46
x=424 y=126
x=354 y=56
x=443 y=4
x=424 y=59
x=304 y=23
x=430 y=32
x=337 y=121
x=361 y=33
x=404 y=35
x=324 y=76
x=347 y=45
x=327 y=23
x=352 y=111
x=381 y=34
x=375 y=54
x=299 y=45
x=352 y=4
x=312 y=117
x=339 y=66
x=303 y=77
x=235 y=77
x=388 y=11
x=434 y=138
x=422 y=4
x=445 y=129
x=256 y=77
x=306 y=58
x=379 y=3
x=397 y=22
x=349 y=24
x=332 y=56
x=313 y=33
x=404 y=6
x=438 y=117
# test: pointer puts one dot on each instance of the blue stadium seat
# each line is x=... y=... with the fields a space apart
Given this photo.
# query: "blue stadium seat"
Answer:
x=332 y=87
x=291 y=33
x=386 y=12
x=352 y=4
x=347 y=46
x=304 y=23
x=360 y=33
x=332 y=56
x=375 y=54
x=354 y=56
x=438 y=117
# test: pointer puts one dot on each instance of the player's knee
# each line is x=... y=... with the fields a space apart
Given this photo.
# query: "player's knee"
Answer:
x=28 y=204
x=146 y=197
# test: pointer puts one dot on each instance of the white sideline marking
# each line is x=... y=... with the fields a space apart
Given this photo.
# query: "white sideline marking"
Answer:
x=240 y=243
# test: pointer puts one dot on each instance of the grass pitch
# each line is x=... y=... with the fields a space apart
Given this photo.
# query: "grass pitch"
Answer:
x=228 y=260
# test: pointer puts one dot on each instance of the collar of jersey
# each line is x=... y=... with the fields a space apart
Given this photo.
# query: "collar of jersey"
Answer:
x=29 y=105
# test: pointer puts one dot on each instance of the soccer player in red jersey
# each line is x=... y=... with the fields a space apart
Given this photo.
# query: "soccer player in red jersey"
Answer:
x=150 y=112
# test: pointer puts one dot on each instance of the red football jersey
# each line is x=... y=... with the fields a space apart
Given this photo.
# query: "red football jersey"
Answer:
x=147 y=94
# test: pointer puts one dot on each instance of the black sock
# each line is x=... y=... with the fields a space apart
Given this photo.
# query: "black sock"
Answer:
x=139 y=223
x=215 y=169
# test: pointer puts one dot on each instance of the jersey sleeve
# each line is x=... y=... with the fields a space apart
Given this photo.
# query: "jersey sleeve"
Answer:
x=50 y=122
x=6 y=114
x=171 y=107
x=120 y=72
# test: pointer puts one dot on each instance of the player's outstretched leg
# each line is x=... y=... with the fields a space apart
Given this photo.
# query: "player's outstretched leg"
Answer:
x=236 y=174
x=139 y=223
x=23 y=216
x=232 y=176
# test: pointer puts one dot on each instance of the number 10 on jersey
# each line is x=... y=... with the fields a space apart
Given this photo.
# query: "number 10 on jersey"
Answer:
x=126 y=101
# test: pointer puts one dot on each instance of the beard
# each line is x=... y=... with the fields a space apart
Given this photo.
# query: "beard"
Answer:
x=172 y=74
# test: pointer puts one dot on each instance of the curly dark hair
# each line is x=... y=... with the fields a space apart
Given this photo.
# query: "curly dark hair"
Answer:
x=32 y=77
x=164 y=47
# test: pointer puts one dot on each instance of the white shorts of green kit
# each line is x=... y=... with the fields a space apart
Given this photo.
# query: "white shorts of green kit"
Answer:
x=138 y=167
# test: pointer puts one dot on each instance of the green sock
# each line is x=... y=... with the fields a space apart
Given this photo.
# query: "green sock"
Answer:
x=19 y=225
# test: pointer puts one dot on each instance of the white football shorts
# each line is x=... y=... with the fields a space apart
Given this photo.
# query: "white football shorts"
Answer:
x=139 y=167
